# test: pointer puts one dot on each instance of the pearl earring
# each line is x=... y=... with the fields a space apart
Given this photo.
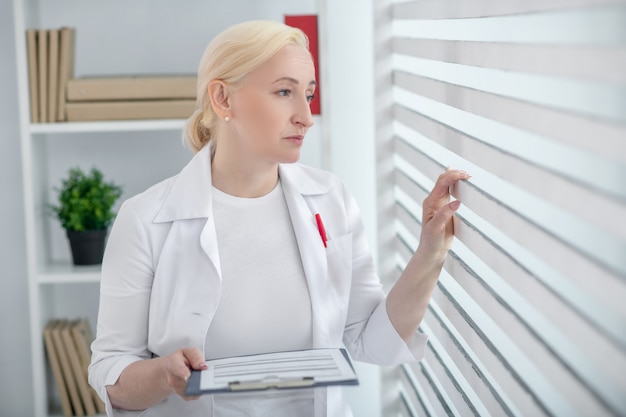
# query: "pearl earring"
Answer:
x=227 y=119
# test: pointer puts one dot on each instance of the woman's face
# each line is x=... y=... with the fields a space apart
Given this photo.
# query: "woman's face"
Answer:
x=271 y=110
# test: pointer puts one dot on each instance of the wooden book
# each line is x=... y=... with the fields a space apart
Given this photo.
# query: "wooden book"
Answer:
x=42 y=61
x=33 y=82
x=55 y=364
x=53 y=74
x=79 y=372
x=175 y=87
x=82 y=339
x=67 y=46
x=129 y=110
x=66 y=366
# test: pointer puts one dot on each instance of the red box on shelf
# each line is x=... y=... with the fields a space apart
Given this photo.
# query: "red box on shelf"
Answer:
x=308 y=24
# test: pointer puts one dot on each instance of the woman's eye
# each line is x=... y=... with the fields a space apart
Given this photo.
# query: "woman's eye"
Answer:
x=310 y=97
x=285 y=92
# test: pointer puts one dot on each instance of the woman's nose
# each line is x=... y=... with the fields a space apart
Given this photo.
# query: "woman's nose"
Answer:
x=303 y=114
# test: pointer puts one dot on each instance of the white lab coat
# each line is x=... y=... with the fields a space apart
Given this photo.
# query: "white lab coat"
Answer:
x=161 y=281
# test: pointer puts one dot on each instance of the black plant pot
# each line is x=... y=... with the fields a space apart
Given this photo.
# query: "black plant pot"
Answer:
x=87 y=247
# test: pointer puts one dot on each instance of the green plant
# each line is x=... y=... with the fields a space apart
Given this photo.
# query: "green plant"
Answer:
x=86 y=201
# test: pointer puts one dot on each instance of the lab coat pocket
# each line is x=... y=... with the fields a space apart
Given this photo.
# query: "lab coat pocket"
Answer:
x=339 y=257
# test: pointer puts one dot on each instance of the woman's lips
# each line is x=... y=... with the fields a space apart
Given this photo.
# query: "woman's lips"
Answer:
x=297 y=139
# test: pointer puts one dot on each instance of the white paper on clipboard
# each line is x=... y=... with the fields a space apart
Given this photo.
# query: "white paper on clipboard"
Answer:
x=291 y=369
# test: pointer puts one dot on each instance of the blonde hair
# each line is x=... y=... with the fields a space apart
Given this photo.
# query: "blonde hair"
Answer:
x=229 y=57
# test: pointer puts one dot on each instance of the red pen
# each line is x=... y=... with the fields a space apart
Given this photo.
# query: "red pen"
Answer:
x=321 y=229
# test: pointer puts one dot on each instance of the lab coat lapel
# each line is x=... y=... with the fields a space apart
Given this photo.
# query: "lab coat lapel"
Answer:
x=297 y=189
x=190 y=198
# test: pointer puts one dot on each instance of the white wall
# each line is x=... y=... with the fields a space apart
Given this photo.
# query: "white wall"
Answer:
x=347 y=80
x=15 y=378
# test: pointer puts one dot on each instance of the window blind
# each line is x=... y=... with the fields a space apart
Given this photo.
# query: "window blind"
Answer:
x=529 y=314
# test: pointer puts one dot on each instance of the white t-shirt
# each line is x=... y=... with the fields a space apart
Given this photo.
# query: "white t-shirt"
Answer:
x=265 y=304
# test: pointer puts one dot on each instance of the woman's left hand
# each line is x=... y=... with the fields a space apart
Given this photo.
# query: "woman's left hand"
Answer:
x=437 y=212
x=408 y=299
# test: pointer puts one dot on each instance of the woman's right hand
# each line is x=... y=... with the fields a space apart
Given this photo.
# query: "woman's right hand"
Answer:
x=145 y=383
x=178 y=367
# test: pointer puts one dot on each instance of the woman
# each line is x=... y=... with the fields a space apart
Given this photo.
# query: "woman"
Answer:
x=227 y=258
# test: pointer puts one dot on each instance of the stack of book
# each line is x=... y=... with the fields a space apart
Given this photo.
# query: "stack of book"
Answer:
x=57 y=96
x=50 y=66
x=131 y=97
x=68 y=351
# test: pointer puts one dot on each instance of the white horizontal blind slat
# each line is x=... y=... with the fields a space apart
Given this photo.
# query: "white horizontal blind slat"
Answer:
x=600 y=24
x=557 y=125
x=418 y=395
x=528 y=317
x=437 y=9
x=559 y=60
x=598 y=99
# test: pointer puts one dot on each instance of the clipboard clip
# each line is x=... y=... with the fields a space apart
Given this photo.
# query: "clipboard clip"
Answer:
x=271 y=382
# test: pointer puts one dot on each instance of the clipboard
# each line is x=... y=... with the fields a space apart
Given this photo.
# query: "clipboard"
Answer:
x=279 y=370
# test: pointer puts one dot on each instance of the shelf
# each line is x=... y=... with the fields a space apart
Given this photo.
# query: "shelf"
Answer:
x=107 y=126
x=55 y=413
x=61 y=415
x=66 y=273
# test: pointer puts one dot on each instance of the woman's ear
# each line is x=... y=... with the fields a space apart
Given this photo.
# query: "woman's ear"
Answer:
x=219 y=94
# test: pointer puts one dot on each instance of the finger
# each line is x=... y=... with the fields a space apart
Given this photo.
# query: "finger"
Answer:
x=191 y=398
x=179 y=383
x=443 y=216
x=178 y=368
x=194 y=358
x=440 y=195
x=442 y=186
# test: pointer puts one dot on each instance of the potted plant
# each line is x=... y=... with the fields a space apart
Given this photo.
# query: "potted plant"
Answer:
x=85 y=203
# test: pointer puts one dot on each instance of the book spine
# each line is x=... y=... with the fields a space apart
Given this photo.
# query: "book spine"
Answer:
x=33 y=81
x=55 y=365
x=66 y=367
x=82 y=339
x=132 y=88
x=53 y=71
x=129 y=110
x=42 y=60
x=66 y=68
x=80 y=373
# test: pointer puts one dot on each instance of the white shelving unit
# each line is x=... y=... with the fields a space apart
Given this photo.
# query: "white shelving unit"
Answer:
x=121 y=126
x=113 y=37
